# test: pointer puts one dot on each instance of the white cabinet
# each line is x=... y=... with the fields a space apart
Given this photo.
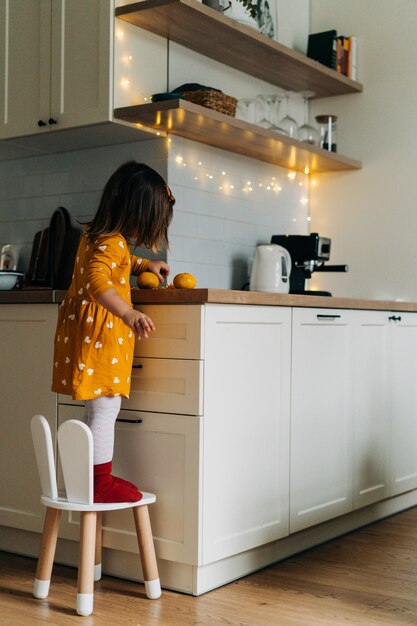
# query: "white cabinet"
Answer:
x=26 y=346
x=159 y=453
x=246 y=428
x=218 y=460
x=321 y=477
x=403 y=401
x=57 y=60
x=371 y=410
x=353 y=411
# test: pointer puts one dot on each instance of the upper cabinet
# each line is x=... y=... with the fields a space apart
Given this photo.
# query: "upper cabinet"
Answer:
x=57 y=61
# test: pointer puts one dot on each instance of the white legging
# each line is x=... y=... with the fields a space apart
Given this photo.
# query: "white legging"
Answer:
x=100 y=416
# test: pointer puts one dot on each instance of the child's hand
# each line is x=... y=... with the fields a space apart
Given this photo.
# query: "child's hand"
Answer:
x=140 y=323
x=159 y=268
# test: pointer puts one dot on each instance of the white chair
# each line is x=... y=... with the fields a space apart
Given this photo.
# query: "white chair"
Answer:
x=75 y=442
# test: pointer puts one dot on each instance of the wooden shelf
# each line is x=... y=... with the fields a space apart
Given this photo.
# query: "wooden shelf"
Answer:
x=185 y=119
x=209 y=32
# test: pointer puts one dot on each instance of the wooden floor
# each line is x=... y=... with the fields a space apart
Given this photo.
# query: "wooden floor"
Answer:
x=366 y=578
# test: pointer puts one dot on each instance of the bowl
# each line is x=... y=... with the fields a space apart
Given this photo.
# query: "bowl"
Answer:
x=10 y=280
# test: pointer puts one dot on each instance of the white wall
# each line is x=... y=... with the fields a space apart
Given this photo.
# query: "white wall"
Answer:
x=226 y=205
x=371 y=215
x=32 y=188
x=214 y=231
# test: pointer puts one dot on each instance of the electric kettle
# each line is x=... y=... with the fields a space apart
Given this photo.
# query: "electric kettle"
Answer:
x=271 y=269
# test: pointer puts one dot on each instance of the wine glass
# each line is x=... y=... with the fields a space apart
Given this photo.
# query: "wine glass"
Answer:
x=288 y=123
x=263 y=110
x=246 y=110
x=306 y=132
x=276 y=100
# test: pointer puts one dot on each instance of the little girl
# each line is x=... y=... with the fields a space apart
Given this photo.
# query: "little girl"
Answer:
x=97 y=325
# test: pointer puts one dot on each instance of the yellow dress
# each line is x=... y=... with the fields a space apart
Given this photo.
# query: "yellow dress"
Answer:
x=93 y=349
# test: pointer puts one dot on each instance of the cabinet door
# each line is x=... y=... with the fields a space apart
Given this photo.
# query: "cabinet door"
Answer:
x=160 y=454
x=321 y=471
x=371 y=408
x=246 y=428
x=25 y=36
x=26 y=346
x=81 y=50
x=403 y=377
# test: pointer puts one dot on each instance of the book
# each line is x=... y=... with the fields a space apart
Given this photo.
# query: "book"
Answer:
x=352 y=71
x=322 y=47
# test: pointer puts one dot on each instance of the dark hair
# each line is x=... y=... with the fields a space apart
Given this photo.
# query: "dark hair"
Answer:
x=137 y=203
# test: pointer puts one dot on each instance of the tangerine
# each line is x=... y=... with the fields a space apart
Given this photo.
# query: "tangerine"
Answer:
x=147 y=280
x=184 y=281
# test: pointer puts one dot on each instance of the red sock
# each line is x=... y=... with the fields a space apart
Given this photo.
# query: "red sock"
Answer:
x=108 y=488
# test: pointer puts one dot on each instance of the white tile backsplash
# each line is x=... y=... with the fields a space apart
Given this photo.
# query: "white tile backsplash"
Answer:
x=223 y=205
x=226 y=205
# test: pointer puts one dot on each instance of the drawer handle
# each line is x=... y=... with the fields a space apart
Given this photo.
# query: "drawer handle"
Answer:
x=120 y=419
x=137 y=367
x=327 y=317
x=395 y=318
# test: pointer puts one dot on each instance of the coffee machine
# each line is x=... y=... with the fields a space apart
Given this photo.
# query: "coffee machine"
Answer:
x=308 y=254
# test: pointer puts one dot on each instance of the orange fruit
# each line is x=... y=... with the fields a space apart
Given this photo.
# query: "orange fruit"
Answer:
x=184 y=281
x=147 y=280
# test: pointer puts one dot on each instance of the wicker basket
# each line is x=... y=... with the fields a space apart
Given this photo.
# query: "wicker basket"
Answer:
x=212 y=100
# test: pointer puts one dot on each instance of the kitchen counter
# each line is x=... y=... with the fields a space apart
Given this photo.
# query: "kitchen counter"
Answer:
x=28 y=296
x=218 y=296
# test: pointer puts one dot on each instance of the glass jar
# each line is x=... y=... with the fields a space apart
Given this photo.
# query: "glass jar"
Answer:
x=328 y=137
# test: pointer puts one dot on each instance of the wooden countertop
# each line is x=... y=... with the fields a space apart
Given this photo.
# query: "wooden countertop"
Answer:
x=35 y=295
x=219 y=296
x=228 y=296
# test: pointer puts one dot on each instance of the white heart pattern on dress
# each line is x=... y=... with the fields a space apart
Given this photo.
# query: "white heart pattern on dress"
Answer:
x=81 y=366
x=97 y=392
x=98 y=345
x=90 y=319
x=71 y=317
x=123 y=281
x=109 y=325
x=87 y=339
x=121 y=244
x=65 y=339
x=116 y=380
x=90 y=371
x=102 y=248
x=67 y=360
x=114 y=360
x=113 y=265
x=80 y=291
x=63 y=381
x=120 y=340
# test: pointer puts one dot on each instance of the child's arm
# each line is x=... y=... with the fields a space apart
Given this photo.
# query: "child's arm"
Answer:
x=109 y=253
x=140 y=323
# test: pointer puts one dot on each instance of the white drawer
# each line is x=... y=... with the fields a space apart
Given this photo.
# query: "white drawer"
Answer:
x=178 y=333
x=166 y=386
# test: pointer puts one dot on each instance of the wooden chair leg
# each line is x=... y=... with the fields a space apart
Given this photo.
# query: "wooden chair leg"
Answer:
x=47 y=553
x=85 y=595
x=147 y=551
x=97 y=558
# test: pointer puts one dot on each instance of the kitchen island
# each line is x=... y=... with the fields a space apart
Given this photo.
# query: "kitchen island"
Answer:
x=263 y=429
